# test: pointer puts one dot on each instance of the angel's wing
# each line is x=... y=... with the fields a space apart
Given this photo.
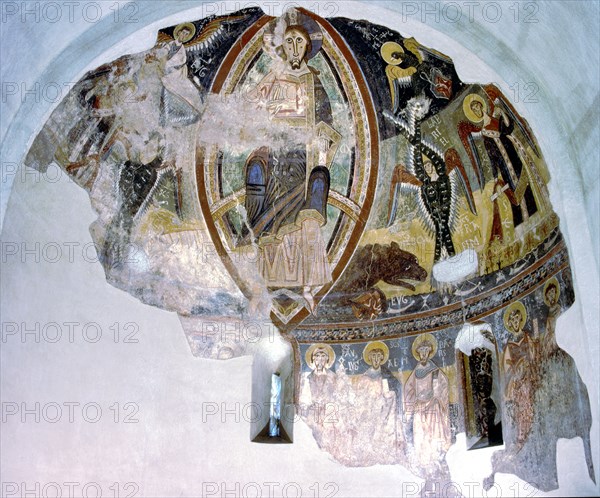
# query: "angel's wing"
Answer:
x=453 y=163
x=465 y=131
x=211 y=33
x=208 y=35
x=402 y=180
x=422 y=52
x=398 y=78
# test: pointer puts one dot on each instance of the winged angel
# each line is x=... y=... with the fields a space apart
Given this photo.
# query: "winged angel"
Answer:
x=432 y=174
x=127 y=133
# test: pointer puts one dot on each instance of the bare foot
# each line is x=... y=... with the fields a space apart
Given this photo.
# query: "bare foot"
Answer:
x=310 y=300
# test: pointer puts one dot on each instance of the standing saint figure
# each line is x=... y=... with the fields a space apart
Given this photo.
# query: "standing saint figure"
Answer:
x=287 y=189
x=551 y=295
x=181 y=101
x=520 y=362
x=512 y=165
x=319 y=384
x=318 y=394
x=380 y=399
x=427 y=403
x=386 y=385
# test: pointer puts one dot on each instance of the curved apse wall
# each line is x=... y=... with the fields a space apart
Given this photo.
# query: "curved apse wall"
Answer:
x=40 y=300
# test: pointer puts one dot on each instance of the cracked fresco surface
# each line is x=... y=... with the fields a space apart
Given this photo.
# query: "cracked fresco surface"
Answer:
x=341 y=182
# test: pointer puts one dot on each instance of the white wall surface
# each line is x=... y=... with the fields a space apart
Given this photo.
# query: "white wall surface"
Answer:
x=177 y=447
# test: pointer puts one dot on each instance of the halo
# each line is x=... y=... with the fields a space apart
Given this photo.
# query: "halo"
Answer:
x=274 y=31
x=423 y=338
x=314 y=32
x=550 y=282
x=516 y=306
x=313 y=348
x=469 y=99
x=389 y=48
x=376 y=345
x=183 y=25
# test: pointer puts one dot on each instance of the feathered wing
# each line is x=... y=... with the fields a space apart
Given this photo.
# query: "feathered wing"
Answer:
x=212 y=32
x=398 y=79
x=465 y=132
x=455 y=179
x=403 y=176
x=402 y=181
x=208 y=35
x=407 y=183
x=453 y=163
x=84 y=126
x=421 y=52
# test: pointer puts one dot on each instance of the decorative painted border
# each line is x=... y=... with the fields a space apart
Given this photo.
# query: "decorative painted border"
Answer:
x=371 y=140
x=438 y=318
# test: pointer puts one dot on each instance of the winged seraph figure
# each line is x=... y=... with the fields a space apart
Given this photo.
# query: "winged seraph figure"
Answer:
x=436 y=188
x=432 y=174
x=127 y=132
x=201 y=42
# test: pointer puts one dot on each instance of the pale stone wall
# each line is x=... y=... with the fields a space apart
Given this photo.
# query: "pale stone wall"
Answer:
x=193 y=434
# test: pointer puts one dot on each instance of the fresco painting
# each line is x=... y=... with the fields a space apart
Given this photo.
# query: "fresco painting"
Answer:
x=340 y=181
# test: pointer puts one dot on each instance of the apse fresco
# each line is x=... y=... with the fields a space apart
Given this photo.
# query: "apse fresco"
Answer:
x=342 y=182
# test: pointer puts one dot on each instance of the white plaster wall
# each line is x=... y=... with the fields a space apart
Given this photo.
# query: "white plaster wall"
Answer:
x=176 y=448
